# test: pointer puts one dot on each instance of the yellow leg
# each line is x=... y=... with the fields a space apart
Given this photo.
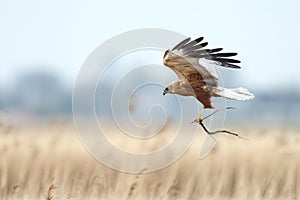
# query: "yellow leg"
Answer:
x=199 y=116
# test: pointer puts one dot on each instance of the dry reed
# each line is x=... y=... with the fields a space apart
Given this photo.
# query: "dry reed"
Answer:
x=265 y=167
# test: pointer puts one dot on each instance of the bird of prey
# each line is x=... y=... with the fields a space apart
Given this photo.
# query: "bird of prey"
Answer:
x=195 y=67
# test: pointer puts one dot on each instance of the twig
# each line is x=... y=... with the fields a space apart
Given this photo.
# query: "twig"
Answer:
x=227 y=108
x=219 y=131
x=200 y=121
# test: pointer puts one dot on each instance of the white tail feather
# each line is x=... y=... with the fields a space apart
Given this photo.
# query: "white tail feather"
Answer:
x=235 y=93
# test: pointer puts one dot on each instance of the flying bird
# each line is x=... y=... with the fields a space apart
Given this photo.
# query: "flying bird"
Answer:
x=195 y=67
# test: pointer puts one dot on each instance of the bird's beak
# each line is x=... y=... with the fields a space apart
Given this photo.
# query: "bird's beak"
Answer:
x=164 y=93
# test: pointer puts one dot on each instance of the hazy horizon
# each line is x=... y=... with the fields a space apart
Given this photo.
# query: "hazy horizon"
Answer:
x=58 y=36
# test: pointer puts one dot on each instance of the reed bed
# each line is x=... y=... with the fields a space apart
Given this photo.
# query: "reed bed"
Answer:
x=50 y=163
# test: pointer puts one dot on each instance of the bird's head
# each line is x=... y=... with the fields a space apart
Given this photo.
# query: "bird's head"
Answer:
x=166 y=90
x=172 y=88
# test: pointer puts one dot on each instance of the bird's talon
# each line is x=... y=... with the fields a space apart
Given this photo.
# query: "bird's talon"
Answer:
x=197 y=120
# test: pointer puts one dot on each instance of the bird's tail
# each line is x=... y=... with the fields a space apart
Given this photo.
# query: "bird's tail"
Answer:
x=235 y=93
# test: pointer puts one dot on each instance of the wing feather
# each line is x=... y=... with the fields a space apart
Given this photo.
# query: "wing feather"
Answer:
x=214 y=50
x=182 y=43
x=224 y=54
x=197 y=47
x=225 y=60
x=192 y=43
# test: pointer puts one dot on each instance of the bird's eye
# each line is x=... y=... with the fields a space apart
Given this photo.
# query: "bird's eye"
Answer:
x=167 y=89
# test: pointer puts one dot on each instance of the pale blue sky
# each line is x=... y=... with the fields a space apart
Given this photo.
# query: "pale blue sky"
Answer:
x=59 y=35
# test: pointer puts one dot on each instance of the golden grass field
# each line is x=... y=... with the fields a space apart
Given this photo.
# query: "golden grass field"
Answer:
x=50 y=163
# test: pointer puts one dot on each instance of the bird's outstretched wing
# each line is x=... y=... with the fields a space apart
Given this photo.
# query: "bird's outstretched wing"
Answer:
x=196 y=65
x=194 y=49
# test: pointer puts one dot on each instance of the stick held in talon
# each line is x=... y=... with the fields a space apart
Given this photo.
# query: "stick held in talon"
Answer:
x=218 y=131
x=200 y=122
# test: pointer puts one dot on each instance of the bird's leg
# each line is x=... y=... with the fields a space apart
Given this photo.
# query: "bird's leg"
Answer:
x=198 y=118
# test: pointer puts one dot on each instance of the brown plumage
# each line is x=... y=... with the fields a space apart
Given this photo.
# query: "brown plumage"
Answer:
x=185 y=71
x=196 y=70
